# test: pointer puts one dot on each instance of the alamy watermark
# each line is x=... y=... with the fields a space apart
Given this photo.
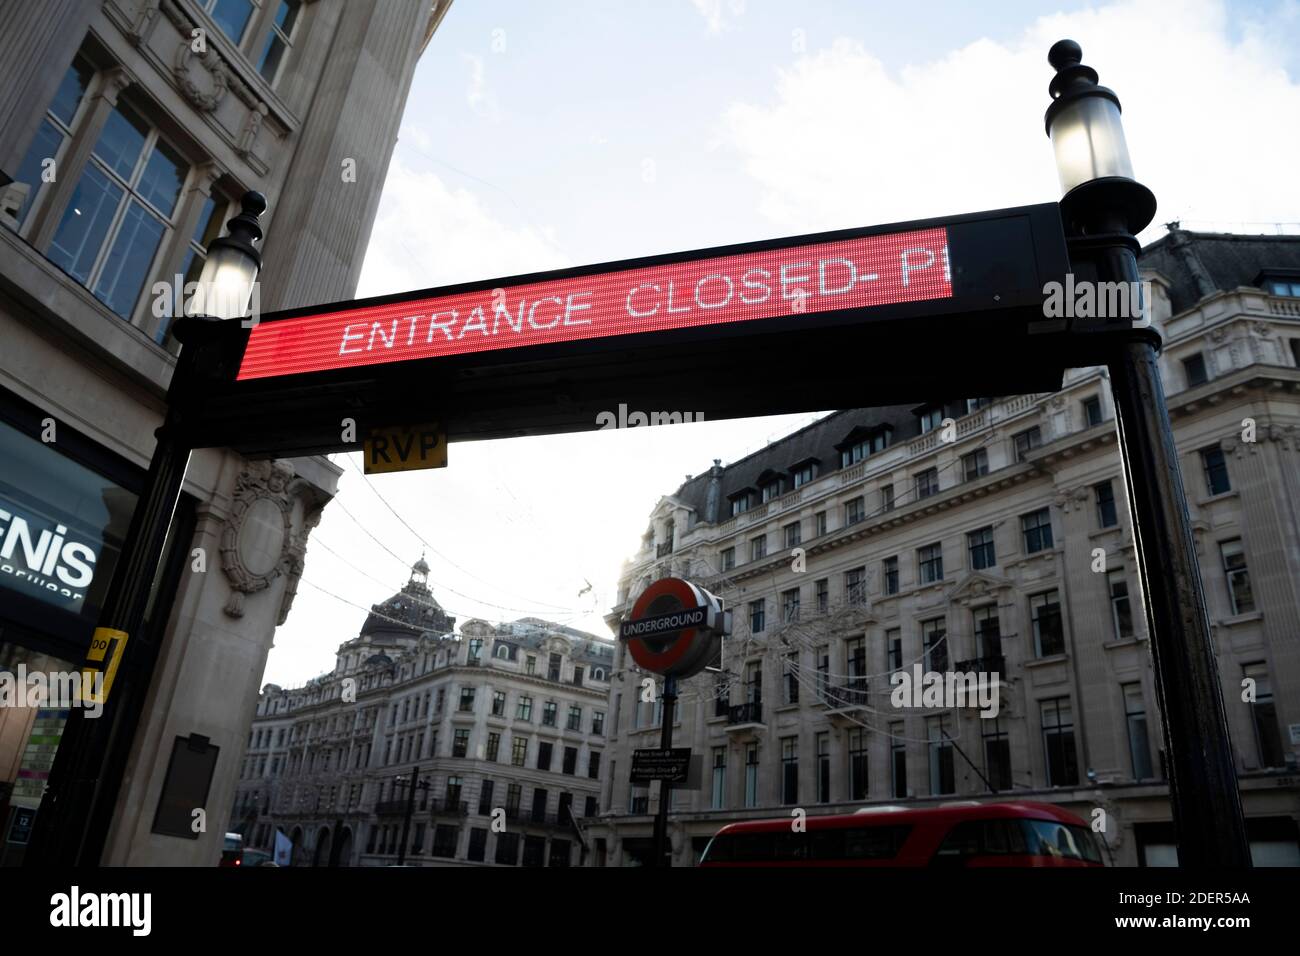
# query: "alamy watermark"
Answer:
x=625 y=419
x=1085 y=299
x=930 y=689
x=57 y=689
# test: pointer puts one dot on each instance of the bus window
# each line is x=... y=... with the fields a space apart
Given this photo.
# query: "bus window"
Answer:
x=980 y=838
x=1061 y=840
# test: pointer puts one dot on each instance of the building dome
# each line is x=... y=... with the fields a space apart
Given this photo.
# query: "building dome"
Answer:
x=411 y=611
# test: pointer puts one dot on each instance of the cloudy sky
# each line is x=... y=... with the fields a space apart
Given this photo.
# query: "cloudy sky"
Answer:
x=542 y=135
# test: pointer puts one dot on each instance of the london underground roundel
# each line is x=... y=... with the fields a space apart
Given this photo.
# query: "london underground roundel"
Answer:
x=674 y=628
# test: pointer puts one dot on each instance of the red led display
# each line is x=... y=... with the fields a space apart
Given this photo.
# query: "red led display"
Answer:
x=790 y=281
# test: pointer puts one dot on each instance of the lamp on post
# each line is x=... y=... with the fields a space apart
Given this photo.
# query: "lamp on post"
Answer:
x=76 y=810
x=1103 y=208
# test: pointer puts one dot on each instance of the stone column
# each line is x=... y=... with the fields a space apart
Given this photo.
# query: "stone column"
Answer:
x=37 y=45
x=321 y=227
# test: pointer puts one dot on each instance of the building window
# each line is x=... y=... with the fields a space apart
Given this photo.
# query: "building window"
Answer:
x=466 y=699
x=975 y=464
x=789 y=770
x=544 y=755
x=493 y=747
x=1037 y=529
x=593 y=765
x=485 y=798
x=1194 y=370
x=575 y=717
x=280 y=41
x=1106 y=515
x=824 y=768
x=524 y=709
x=54 y=131
x=442 y=699
x=855 y=587
x=589 y=808
x=751 y=775
x=887 y=497
x=121 y=210
x=997 y=753
x=530 y=666
x=1234 y=566
x=754 y=682
x=894 y=649
x=927 y=483
x=570 y=761
x=503 y=652
x=803 y=474
x=980 y=545
x=598 y=723
x=1268 y=739
x=1026 y=441
x=1058 y=742
x=793 y=535
x=230 y=15
x=553 y=667
x=855 y=510
x=1121 y=614
x=1215 y=469
x=514 y=795
x=857 y=764
x=819 y=523
x=1139 y=748
x=988 y=635
x=929 y=562
x=942 y=775
x=822 y=593
x=1092 y=412
x=1049 y=636
x=757 y=615
x=477 y=850
x=771 y=489
x=741 y=503
x=790 y=683
x=718 y=796
x=548 y=713
x=498 y=704
x=727 y=558
x=934 y=635
x=889 y=568
x=898 y=760
x=931 y=419
x=507 y=853
x=758 y=548
x=878 y=441
x=460 y=742
x=1282 y=287
x=790 y=605
x=518 y=751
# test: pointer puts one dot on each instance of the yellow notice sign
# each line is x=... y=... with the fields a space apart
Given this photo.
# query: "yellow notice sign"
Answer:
x=405 y=448
x=106 y=647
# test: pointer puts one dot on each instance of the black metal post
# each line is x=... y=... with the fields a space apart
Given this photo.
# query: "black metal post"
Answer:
x=65 y=832
x=665 y=788
x=1202 y=775
x=411 y=786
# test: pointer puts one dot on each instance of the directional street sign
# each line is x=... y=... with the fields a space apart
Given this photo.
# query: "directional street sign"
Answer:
x=671 y=765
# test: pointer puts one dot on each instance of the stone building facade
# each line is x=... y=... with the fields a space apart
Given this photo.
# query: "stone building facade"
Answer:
x=992 y=536
x=128 y=131
x=505 y=726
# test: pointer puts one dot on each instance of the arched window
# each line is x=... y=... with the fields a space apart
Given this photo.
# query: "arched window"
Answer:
x=598 y=673
x=503 y=651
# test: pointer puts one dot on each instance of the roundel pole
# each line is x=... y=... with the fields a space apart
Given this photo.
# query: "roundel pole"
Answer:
x=673 y=630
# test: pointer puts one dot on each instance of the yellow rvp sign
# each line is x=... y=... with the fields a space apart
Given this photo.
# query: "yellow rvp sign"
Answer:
x=405 y=448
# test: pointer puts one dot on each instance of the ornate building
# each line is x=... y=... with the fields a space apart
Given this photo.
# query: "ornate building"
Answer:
x=991 y=536
x=505 y=726
x=128 y=131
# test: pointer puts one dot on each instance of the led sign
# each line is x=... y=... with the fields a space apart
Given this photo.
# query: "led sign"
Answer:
x=802 y=279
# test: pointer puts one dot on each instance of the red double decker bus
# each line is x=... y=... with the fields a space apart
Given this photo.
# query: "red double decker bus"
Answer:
x=1014 y=834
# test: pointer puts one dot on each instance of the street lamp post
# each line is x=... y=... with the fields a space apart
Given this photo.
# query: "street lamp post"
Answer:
x=70 y=827
x=413 y=784
x=1103 y=209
